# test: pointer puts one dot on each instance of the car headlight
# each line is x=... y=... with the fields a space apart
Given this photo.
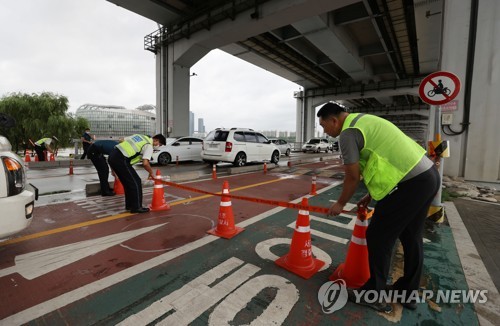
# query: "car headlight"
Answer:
x=14 y=173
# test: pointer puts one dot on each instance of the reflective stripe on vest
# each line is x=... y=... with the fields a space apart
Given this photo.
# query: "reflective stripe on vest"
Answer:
x=388 y=154
x=41 y=141
x=131 y=147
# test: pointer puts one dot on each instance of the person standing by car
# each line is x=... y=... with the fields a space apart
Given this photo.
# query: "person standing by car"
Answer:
x=45 y=144
x=134 y=149
x=96 y=152
x=86 y=142
x=394 y=169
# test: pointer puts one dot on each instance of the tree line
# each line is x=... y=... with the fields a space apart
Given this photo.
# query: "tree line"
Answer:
x=34 y=116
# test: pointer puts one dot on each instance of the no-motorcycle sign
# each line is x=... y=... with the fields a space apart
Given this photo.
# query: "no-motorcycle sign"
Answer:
x=439 y=88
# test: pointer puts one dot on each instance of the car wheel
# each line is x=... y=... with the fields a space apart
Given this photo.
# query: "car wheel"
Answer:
x=164 y=158
x=287 y=153
x=318 y=150
x=326 y=150
x=240 y=159
x=304 y=151
x=275 y=158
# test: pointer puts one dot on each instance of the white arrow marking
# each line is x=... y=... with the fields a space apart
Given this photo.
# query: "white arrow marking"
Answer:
x=38 y=263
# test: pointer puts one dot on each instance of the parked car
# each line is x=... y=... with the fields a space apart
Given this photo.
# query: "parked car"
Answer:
x=183 y=148
x=17 y=197
x=316 y=145
x=238 y=146
x=284 y=147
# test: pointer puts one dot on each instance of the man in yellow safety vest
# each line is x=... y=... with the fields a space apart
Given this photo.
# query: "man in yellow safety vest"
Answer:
x=132 y=150
x=394 y=168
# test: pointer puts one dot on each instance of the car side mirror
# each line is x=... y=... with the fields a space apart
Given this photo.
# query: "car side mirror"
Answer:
x=267 y=142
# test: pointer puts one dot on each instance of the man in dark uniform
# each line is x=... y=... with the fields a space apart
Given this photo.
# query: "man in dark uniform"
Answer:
x=134 y=149
x=86 y=142
x=96 y=152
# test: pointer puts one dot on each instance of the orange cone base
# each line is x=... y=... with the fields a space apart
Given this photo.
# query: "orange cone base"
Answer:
x=162 y=207
x=226 y=235
x=339 y=274
x=304 y=272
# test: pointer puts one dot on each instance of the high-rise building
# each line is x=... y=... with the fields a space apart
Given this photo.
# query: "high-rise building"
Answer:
x=201 y=126
x=108 y=121
x=191 y=123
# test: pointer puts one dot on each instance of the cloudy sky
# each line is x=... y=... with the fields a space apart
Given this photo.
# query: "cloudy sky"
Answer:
x=91 y=51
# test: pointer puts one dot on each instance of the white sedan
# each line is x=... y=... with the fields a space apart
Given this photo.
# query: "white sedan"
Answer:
x=284 y=147
x=17 y=197
x=182 y=149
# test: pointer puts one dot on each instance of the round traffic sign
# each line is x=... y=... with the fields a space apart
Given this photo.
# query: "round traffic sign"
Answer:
x=439 y=88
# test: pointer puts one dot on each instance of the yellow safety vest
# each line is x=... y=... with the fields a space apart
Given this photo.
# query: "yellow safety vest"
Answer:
x=131 y=147
x=388 y=154
x=41 y=142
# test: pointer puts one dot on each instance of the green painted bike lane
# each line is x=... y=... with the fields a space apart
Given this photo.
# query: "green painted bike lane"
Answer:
x=217 y=281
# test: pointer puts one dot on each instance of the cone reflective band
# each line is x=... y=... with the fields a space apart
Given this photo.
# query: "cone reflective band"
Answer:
x=158 y=202
x=355 y=271
x=299 y=259
x=225 y=222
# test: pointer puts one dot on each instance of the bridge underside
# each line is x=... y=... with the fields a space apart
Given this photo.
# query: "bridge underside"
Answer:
x=368 y=55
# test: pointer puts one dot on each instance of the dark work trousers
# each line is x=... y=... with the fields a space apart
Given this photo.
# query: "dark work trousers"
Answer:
x=39 y=151
x=128 y=177
x=400 y=215
x=101 y=166
x=85 y=150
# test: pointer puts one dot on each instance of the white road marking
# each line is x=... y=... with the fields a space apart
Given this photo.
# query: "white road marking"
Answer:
x=38 y=263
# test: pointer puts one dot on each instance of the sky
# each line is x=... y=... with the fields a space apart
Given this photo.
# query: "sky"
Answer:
x=92 y=51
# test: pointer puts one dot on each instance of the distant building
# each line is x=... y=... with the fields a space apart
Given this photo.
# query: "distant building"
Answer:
x=108 y=121
x=201 y=126
x=191 y=123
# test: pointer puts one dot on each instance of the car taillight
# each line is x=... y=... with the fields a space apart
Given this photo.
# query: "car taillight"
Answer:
x=14 y=172
x=229 y=146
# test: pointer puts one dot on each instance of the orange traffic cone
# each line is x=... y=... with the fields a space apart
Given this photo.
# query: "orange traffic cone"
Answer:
x=118 y=187
x=27 y=157
x=214 y=172
x=265 y=167
x=225 y=225
x=313 y=186
x=158 y=203
x=52 y=157
x=299 y=259
x=70 y=167
x=355 y=271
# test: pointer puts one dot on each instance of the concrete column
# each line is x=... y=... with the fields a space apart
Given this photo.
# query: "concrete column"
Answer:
x=475 y=154
x=454 y=59
x=299 y=110
x=483 y=150
x=172 y=99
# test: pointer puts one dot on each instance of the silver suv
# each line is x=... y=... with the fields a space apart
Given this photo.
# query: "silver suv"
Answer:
x=238 y=146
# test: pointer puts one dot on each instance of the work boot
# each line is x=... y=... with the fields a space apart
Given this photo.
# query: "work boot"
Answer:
x=139 y=210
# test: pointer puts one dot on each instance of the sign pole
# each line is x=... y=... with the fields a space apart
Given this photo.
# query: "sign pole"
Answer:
x=437 y=89
x=439 y=161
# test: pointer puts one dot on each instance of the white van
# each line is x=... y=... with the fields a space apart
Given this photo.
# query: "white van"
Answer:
x=238 y=146
x=17 y=197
